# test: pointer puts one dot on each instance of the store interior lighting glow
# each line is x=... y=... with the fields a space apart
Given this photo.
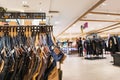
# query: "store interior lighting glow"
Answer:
x=40 y=10
x=104 y=4
x=108 y=15
x=44 y=20
x=22 y=11
x=24 y=2
x=57 y=22
x=74 y=25
x=90 y=14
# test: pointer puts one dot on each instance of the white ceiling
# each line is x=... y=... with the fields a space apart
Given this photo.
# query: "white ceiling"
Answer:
x=98 y=21
x=69 y=10
x=91 y=26
x=76 y=28
x=102 y=17
x=34 y=5
x=109 y=6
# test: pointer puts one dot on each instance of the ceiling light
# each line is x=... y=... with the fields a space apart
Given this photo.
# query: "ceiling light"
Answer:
x=44 y=20
x=40 y=10
x=104 y=4
x=57 y=22
x=108 y=15
x=24 y=2
x=74 y=25
x=22 y=11
x=90 y=14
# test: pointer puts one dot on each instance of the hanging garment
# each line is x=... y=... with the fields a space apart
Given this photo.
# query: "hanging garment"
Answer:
x=112 y=46
x=54 y=75
x=49 y=40
x=88 y=47
x=50 y=66
x=20 y=60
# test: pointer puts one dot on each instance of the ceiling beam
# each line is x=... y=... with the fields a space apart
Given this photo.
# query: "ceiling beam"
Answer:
x=96 y=31
x=99 y=20
x=106 y=33
x=105 y=13
x=109 y=26
x=70 y=34
x=92 y=8
x=109 y=29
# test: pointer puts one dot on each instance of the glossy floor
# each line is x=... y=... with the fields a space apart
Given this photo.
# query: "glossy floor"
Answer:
x=77 y=68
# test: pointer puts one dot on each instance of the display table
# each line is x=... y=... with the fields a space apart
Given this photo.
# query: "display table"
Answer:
x=116 y=58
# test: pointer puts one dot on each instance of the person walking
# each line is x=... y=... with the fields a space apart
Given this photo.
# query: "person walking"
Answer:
x=80 y=47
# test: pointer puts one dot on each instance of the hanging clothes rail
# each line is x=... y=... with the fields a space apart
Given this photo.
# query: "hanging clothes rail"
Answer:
x=32 y=28
x=28 y=52
x=31 y=57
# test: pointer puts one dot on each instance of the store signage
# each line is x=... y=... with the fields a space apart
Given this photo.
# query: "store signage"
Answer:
x=22 y=15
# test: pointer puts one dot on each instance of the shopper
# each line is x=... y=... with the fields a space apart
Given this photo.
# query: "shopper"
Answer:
x=80 y=47
x=94 y=45
x=84 y=50
x=67 y=46
x=77 y=44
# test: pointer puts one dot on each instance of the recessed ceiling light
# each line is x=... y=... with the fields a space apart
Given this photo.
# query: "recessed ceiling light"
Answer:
x=74 y=25
x=24 y=2
x=57 y=22
x=90 y=14
x=104 y=4
x=40 y=9
x=22 y=11
x=108 y=15
x=44 y=20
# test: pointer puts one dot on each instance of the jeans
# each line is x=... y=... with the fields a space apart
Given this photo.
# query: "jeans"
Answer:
x=49 y=40
x=50 y=68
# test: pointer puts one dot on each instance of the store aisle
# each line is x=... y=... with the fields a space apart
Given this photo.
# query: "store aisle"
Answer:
x=77 y=68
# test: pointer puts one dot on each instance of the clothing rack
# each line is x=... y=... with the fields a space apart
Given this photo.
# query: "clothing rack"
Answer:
x=114 y=48
x=41 y=53
x=44 y=54
x=33 y=28
x=94 y=46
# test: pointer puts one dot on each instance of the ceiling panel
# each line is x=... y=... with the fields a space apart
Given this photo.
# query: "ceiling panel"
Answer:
x=69 y=10
x=102 y=17
x=35 y=6
x=105 y=15
x=76 y=28
x=109 y=6
x=116 y=30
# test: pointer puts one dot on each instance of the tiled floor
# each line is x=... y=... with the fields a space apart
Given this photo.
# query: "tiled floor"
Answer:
x=77 y=68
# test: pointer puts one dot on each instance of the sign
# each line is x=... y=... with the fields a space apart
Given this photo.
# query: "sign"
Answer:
x=22 y=15
x=85 y=25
